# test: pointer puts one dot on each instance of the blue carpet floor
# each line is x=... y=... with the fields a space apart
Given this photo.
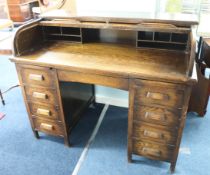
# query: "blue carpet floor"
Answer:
x=21 y=153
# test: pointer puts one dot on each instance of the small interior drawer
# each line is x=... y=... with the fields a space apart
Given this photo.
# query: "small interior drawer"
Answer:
x=48 y=127
x=44 y=111
x=38 y=76
x=157 y=115
x=43 y=95
x=156 y=93
x=152 y=150
x=151 y=132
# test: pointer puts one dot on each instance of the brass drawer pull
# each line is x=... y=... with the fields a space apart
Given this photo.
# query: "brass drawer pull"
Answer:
x=155 y=116
x=152 y=152
x=43 y=112
x=157 y=96
x=153 y=134
x=46 y=126
x=36 y=77
x=39 y=95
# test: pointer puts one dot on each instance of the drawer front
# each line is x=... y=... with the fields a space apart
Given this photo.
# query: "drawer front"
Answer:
x=44 y=111
x=151 y=132
x=48 y=127
x=152 y=150
x=43 y=95
x=38 y=76
x=156 y=93
x=157 y=115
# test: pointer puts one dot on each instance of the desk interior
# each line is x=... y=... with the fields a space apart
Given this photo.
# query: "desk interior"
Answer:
x=106 y=57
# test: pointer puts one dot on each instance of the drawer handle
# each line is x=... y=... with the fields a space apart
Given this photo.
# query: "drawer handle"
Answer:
x=152 y=151
x=155 y=116
x=43 y=112
x=46 y=126
x=153 y=134
x=39 y=95
x=157 y=96
x=36 y=77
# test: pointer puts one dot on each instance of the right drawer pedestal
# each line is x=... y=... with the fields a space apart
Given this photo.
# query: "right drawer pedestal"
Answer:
x=157 y=113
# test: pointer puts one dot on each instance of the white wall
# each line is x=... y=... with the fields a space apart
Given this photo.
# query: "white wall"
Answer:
x=111 y=96
x=116 y=5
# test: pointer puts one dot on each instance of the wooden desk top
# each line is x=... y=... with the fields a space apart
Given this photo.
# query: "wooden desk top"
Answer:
x=111 y=60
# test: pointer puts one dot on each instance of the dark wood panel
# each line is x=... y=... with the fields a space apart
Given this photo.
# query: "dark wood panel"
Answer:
x=206 y=51
x=200 y=93
x=76 y=97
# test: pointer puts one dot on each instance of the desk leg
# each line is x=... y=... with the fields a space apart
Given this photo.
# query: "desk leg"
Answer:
x=130 y=122
x=93 y=92
x=129 y=157
x=172 y=167
x=67 y=141
x=36 y=134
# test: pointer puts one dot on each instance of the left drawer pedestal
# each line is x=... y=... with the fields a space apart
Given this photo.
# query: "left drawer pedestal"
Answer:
x=42 y=97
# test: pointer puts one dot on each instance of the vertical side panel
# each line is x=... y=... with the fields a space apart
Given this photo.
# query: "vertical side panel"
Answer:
x=130 y=118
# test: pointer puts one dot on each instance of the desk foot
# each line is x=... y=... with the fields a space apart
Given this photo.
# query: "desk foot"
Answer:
x=130 y=158
x=36 y=134
x=67 y=142
x=92 y=102
x=202 y=113
x=172 y=167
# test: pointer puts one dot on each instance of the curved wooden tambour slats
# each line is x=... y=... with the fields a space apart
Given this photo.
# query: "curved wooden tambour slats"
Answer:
x=27 y=36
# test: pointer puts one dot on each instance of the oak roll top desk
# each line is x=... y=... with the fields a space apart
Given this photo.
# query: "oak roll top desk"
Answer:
x=60 y=58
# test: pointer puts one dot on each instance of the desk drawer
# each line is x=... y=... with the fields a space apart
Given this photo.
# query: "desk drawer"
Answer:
x=38 y=76
x=156 y=93
x=43 y=95
x=44 y=111
x=157 y=115
x=152 y=150
x=48 y=127
x=152 y=132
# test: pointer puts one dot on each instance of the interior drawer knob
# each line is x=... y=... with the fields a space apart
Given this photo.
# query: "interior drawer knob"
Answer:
x=36 y=77
x=152 y=151
x=43 y=112
x=153 y=134
x=39 y=95
x=155 y=116
x=46 y=126
x=157 y=96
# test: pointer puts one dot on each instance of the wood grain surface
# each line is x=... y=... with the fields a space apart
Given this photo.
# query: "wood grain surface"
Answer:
x=111 y=59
